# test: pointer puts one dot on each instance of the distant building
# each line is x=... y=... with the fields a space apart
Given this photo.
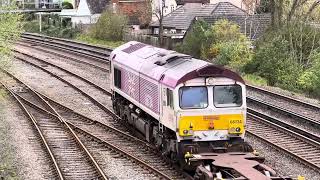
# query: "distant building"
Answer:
x=86 y=11
x=253 y=26
x=137 y=11
x=248 y=5
x=169 y=6
x=180 y=20
x=177 y=23
x=36 y=4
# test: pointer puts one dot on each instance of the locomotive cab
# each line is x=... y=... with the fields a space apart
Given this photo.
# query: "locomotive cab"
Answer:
x=208 y=111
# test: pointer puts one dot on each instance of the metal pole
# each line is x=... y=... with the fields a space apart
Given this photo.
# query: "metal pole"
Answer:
x=40 y=22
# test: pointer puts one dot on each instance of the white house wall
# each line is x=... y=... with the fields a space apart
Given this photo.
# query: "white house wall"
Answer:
x=170 y=5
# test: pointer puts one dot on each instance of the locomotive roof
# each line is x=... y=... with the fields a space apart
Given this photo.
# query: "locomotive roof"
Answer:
x=165 y=66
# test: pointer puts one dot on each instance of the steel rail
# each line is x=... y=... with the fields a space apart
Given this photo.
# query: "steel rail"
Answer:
x=34 y=122
x=283 y=111
x=86 y=133
x=99 y=104
x=82 y=146
x=150 y=168
x=60 y=68
x=285 y=139
x=303 y=103
x=284 y=124
x=71 y=46
x=64 y=56
x=94 y=47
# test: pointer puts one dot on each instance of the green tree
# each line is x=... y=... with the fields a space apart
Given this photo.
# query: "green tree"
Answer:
x=309 y=80
x=110 y=26
x=67 y=5
x=10 y=30
x=274 y=62
x=195 y=39
x=228 y=46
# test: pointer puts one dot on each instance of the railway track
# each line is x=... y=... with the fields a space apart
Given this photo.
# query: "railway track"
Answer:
x=293 y=106
x=93 y=129
x=299 y=143
x=142 y=153
x=102 y=65
x=96 y=52
x=285 y=118
x=298 y=146
x=69 y=156
x=82 y=85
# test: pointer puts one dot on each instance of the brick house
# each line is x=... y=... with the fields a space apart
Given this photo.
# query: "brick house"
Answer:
x=137 y=11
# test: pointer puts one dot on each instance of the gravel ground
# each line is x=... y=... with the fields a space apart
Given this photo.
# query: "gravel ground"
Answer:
x=298 y=96
x=102 y=97
x=59 y=91
x=281 y=162
x=115 y=166
x=95 y=75
x=304 y=111
x=65 y=53
x=292 y=121
x=22 y=156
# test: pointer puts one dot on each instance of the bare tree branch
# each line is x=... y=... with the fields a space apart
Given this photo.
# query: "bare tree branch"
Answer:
x=296 y=4
x=313 y=7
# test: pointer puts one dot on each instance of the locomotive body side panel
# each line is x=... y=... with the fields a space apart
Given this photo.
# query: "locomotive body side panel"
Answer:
x=130 y=83
x=149 y=94
x=138 y=89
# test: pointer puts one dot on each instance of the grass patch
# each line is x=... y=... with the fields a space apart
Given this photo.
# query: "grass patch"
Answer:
x=94 y=41
x=3 y=94
x=8 y=170
x=255 y=80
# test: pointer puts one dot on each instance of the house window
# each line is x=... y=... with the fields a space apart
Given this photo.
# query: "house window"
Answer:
x=169 y=98
x=172 y=8
x=117 y=78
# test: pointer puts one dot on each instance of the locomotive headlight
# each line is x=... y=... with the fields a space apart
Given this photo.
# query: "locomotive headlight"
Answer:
x=238 y=129
x=232 y=130
x=185 y=132
x=191 y=131
x=210 y=81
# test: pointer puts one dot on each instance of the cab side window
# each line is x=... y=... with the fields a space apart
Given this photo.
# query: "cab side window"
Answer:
x=117 y=78
x=169 y=98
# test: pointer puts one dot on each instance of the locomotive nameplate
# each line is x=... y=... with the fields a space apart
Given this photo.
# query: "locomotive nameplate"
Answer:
x=211 y=118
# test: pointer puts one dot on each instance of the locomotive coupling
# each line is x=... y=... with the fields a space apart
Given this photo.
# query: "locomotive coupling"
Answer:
x=187 y=157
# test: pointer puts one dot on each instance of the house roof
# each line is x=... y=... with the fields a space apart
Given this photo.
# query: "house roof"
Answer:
x=182 y=17
x=182 y=2
x=253 y=26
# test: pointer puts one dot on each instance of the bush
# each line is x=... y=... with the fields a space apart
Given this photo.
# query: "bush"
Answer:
x=10 y=30
x=52 y=26
x=110 y=26
x=310 y=80
x=195 y=39
x=274 y=62
x=229 y=47
x=255 y=79
x=289 y=57
x=235 y=55
x=67 y=5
